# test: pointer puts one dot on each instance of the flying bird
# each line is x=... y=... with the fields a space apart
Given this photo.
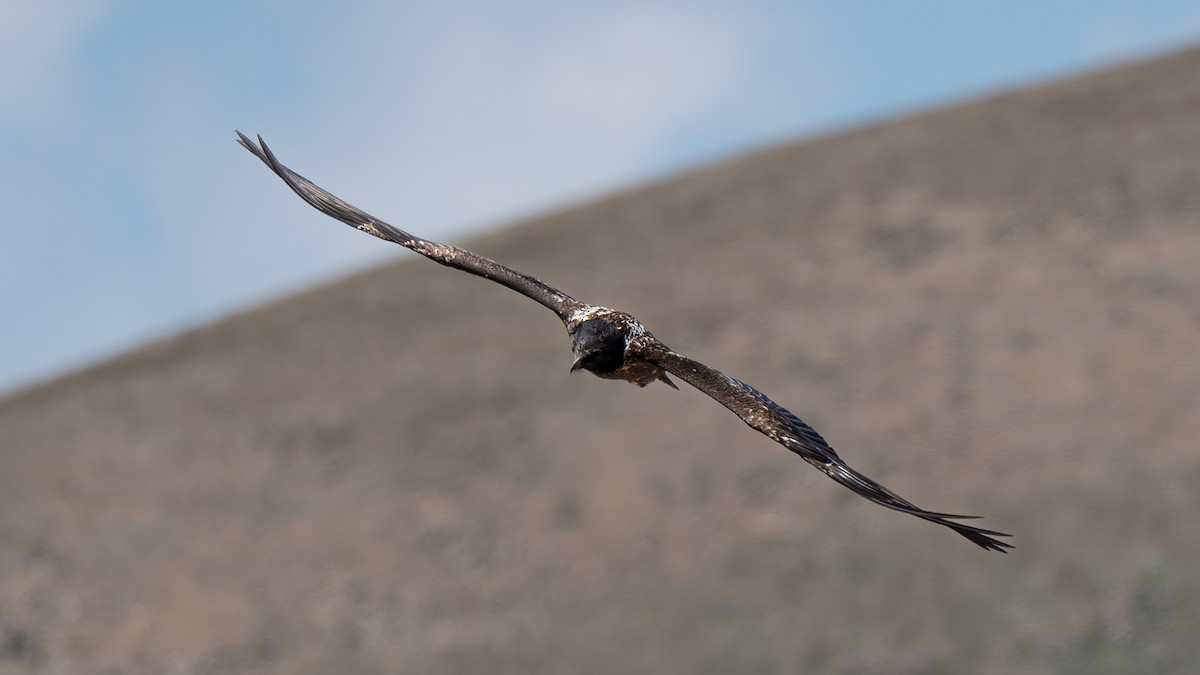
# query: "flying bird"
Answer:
x=615 y=345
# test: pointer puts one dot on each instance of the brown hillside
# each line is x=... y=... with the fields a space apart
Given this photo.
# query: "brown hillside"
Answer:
x=992 y=309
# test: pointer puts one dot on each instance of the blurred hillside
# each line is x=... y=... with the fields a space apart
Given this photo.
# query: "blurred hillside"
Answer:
x=992 y=309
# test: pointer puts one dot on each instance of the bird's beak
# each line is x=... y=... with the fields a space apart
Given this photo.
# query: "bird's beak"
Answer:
x=577 y=364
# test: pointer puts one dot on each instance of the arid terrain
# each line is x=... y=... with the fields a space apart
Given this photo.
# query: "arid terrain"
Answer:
x=992 y=309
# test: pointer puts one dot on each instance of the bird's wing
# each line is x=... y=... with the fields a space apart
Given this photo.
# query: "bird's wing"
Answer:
x=560 y=303
x=783 y=427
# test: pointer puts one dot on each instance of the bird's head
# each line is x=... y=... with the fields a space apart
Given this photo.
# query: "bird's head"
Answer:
x=599 y=347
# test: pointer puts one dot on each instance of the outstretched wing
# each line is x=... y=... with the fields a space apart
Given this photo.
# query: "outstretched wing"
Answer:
x=560 y=303
x=783 y=427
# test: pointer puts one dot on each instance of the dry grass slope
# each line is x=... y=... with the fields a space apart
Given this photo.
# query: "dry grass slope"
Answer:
x=991 y=309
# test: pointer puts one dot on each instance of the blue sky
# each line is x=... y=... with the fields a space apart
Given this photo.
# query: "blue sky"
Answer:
x=132 y=215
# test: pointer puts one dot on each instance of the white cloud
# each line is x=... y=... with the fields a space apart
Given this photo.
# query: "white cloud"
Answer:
x=36 y=43
x=465 y=113
x=640 y=71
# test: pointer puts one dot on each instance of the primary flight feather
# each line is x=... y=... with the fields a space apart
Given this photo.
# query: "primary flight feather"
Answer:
x=614 y=345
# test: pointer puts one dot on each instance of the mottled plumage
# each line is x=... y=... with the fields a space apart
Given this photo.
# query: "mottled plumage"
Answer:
x=614 y=345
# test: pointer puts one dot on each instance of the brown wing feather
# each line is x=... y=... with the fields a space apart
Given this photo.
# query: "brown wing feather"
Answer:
x=451 y=256
x=783 y=427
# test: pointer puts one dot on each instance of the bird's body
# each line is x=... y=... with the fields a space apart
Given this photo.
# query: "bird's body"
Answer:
x=612 y=345
x=615 y=345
